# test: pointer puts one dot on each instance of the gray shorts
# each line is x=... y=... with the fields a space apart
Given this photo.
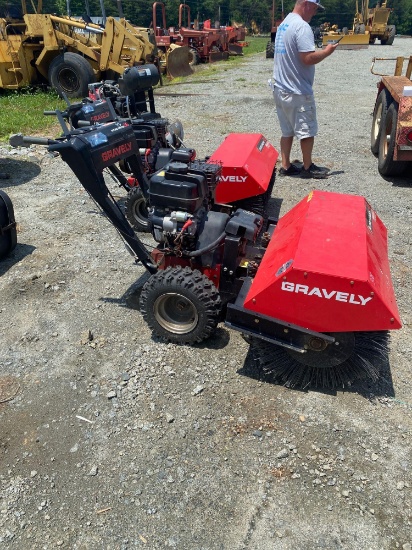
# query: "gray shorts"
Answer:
x=296 y=114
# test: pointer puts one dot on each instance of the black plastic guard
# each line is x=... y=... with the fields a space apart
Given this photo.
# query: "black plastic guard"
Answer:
x=8 y=232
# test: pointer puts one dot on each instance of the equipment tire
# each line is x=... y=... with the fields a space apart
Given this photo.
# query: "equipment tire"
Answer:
x=345 y=30
x=70 y=73
x=386 y=165
x=391 y=36
x=379 y=114
x=194 y=57
x=270 y=50
x=136 y=210
x=180 y=305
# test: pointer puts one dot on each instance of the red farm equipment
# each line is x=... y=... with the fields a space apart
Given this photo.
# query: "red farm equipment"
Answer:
x=204 y=45
x=311 y=292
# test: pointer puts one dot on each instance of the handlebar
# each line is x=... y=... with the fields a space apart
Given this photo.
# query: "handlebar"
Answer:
x=18 y=140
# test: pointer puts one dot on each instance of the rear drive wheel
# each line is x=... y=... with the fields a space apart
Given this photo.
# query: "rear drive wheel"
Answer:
x=136 y=210
x=379 y=115
x=270 y=50
x=180 y=305
x=71 y=73
x=387 y=166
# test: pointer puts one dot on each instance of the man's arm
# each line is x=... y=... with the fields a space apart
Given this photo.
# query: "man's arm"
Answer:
x=312 y=58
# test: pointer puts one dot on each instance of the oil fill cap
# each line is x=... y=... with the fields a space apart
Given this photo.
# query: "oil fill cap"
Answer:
x=178 y=168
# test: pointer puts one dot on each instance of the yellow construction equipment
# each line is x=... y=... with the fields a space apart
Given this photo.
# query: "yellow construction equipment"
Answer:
x=369 y=24
x=37 y=48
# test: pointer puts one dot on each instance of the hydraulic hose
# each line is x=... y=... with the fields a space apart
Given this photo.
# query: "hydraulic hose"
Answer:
x=208 y=248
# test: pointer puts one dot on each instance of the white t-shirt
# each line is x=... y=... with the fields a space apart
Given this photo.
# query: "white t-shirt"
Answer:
x=294 y=35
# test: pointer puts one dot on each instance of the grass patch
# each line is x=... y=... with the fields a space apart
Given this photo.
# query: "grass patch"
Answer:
x=257 y=44
x=22 y=112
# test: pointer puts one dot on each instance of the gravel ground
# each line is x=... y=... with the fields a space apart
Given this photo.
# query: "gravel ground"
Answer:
x=110 y=439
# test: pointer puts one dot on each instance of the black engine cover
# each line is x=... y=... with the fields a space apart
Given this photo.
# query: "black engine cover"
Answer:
x=177 y=188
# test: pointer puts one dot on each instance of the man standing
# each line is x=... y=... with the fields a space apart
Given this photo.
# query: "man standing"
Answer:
x=293 y=75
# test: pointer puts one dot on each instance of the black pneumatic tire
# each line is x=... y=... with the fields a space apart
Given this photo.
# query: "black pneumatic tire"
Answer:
x=71 y=73
x=136 y=210
x=379 y=114
x=180 y=305
x=270 y=50
x=193 y=57
x=392 y=33
x=386 y=165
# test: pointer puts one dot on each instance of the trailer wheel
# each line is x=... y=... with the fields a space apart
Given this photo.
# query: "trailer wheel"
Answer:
x=379 y=114
x=270 y=50
x=71 y=73
x=136 y=210
x=180 y=305
x=193 y=57
x=386 y=165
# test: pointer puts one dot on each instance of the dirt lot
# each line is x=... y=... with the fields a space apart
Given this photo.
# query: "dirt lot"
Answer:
x=111 y=439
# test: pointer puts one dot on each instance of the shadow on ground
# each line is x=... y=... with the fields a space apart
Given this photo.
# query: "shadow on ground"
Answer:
x=19 y=171
x=20 y=252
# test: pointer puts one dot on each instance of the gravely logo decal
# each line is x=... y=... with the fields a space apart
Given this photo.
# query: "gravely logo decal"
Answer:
x=356 y=299
x=100 y=116
x=234 y=179
x=112 y=153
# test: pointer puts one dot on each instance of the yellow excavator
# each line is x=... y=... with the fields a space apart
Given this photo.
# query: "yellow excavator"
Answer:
x=369 y=25
x=67 y=53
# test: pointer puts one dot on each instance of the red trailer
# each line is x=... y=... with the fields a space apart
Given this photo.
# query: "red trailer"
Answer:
x=391 y=134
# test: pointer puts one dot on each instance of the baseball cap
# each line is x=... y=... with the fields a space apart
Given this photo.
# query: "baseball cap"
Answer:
x=317 y=2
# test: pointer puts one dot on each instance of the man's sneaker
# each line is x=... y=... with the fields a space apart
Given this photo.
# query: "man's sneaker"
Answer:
x=293 y=170
x=316 y=172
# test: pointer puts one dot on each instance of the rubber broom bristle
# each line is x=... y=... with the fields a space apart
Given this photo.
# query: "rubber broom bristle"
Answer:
x=370 y=352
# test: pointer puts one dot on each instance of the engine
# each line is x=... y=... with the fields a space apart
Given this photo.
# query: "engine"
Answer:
x=181 y=198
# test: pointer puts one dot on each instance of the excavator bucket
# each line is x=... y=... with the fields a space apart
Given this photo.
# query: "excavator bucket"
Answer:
x=177 y=61
x=218 y=56
x=349 y=41
x=235 y=49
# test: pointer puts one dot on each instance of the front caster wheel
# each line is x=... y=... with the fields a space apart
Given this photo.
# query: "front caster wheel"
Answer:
x=180 y=305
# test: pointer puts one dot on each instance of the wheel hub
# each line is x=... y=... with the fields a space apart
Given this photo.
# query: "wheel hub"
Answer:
x=68 y=80
x=175 y=313
x=323 y=354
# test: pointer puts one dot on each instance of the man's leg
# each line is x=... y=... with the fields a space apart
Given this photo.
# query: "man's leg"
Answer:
x=285 y=149
x=306 y=146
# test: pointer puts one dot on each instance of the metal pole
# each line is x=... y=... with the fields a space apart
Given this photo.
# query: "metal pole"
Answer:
x=120 y=9
x=68 y=7
x=103 y=11
x=87 y=6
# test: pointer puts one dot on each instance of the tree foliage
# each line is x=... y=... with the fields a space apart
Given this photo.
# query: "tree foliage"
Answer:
x=140 y=12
